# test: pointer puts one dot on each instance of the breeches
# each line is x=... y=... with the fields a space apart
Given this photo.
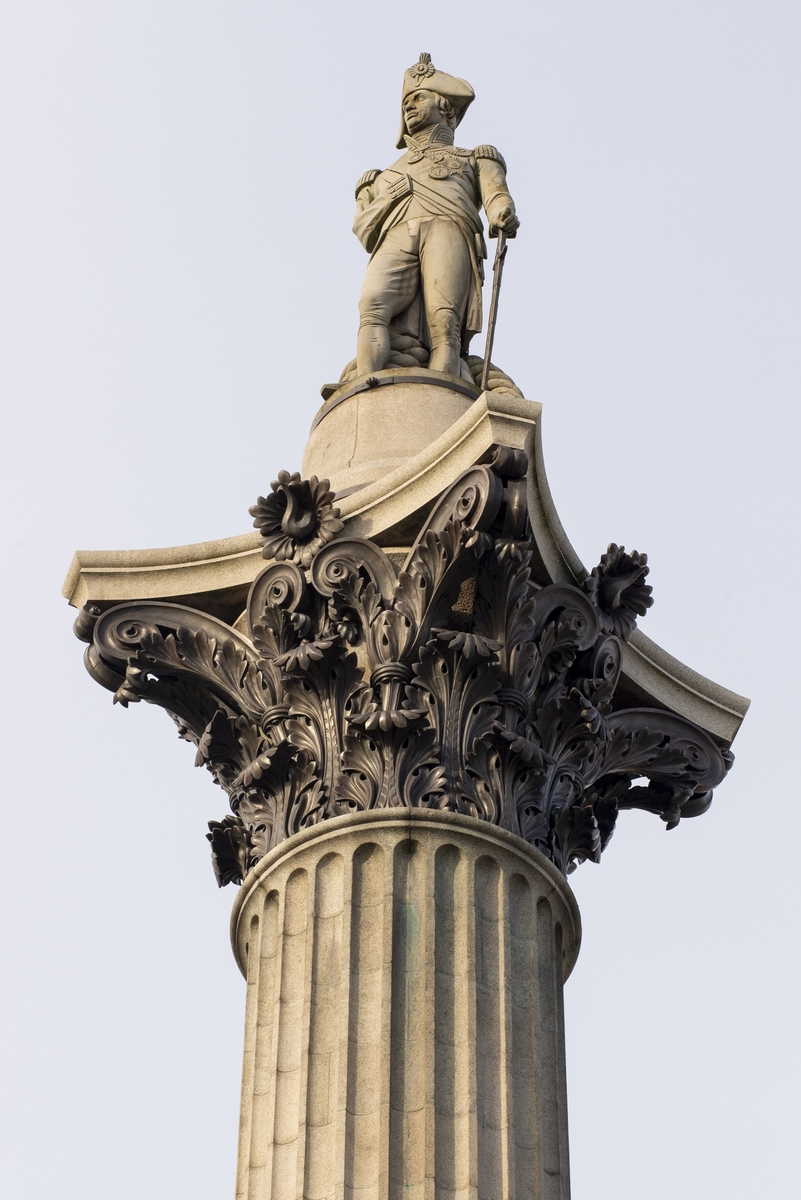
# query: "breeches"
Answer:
x=431 y=254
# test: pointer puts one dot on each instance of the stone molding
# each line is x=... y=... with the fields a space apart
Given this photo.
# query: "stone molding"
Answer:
x=201 y=569
x=215 y=576
x=416 y=821
x=652 y=672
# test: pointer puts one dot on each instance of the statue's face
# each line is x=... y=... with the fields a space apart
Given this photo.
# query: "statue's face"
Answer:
x=420 y=109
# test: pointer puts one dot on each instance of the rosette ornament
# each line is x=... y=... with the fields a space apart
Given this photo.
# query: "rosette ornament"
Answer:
x=616 y=589
x=297 y=519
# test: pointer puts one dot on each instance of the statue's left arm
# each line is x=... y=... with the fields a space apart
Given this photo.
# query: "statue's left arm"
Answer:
x=498 y=203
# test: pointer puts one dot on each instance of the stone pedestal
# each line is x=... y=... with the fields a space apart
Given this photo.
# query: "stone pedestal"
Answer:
x=404 y=1028
x=370 y=429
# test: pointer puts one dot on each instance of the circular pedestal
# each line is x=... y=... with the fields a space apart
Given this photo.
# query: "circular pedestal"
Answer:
x=363 y=432
x=404 y=1029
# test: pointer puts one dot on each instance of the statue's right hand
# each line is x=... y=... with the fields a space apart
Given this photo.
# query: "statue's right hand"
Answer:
x=506 y=220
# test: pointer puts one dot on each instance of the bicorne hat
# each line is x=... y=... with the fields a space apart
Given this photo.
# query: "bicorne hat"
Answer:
x=425 y=75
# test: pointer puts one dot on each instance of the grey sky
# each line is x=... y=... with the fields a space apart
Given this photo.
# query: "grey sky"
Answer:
x=178 y=280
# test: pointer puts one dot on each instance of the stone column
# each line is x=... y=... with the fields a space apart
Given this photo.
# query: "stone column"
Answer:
x=403 y=665
x=404 y=1024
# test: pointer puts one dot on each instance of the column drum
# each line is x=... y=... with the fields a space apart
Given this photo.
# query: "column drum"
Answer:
x=404 y=1024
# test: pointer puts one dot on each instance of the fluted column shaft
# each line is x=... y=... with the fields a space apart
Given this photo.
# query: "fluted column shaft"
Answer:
x=404 y=1028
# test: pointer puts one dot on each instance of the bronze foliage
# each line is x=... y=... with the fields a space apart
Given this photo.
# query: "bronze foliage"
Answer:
x=452 y=682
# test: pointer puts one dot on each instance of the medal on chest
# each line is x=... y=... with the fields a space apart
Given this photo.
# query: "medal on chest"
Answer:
x=445 y=161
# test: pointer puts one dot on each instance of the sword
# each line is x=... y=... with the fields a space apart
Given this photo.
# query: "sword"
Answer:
x=497 y=272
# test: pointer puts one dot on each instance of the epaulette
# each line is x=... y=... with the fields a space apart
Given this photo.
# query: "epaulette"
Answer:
x=367 y=178
x=489 y=152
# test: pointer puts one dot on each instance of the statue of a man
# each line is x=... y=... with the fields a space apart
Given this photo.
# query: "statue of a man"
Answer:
x=420 y=221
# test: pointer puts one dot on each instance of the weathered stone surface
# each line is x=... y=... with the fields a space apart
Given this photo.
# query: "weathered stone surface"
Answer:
x=419 y=221
x=404 y=1023
x=361 y=435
